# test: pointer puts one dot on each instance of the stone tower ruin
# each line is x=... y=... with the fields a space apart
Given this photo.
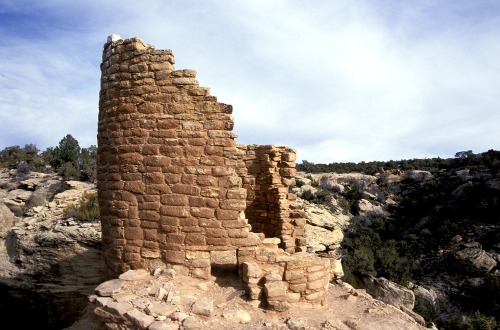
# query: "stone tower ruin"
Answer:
x=176 y=190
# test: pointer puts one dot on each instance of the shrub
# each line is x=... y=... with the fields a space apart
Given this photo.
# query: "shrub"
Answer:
x=343 y=203
x=308 y=195
x=299 y=183
x=476 y=321
x=391 y=265
x=69 y=172
x=480 y=321
x=87 y=208
x=23 y=170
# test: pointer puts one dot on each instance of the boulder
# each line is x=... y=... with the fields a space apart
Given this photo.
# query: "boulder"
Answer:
x=33 y=181
x=191 y=323
x=462 y=189
x=135 y=275
x=473 y=260
x=319 y=216
x=389 y=292
x=463 y=174
x=336 y=268
x=307 y=192
x=418 y=175
x=328 y=183
x=321 y=239
x=365 y=207
x=426 y=300
x=238 y=315
x=493 y=184
x=203 y=307
x=45 y=192
x=293 y=323
x=108 y=288
x=6 y=220
x=16 y=199
x=140 y=319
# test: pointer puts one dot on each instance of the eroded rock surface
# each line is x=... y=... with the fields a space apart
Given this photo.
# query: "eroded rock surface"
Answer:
x=473 y=260
x=48 y=264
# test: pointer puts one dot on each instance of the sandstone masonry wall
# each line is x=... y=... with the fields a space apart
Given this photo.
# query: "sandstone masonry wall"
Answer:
x=280 y=278
x=166 y=164
x=271 y=209
x=173 y=185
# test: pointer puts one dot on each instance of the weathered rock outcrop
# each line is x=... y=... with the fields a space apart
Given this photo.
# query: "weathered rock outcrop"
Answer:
x=324 y=228
x=6 y=219
x=389 y=292
x=393 y=294
x=364 y=207
x=472 y=259
x=48 y=264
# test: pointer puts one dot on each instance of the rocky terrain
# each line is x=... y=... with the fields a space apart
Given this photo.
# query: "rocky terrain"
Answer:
x=450 y=217
x=48 y=264
x=167 y=300
x=51 y=264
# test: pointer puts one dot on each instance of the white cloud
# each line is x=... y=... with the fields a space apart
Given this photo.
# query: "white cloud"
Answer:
x=339 y=81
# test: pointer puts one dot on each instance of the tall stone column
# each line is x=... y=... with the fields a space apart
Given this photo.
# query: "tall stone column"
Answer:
x=167 y=160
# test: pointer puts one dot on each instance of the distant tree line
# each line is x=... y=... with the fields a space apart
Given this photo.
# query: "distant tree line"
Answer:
x=68 y=159
x=486 y=160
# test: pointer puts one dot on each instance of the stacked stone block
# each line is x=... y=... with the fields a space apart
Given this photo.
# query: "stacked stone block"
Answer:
x=271 y=208
x=166 y=164
x=175 y=189
x=280 y=279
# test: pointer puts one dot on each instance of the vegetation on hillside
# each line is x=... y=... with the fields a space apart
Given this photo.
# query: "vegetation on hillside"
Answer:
x=87 y=208
x=68 y=159
x=416 y=238
x=488 y=159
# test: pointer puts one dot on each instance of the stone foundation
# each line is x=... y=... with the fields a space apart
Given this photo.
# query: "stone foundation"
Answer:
x=279 y=278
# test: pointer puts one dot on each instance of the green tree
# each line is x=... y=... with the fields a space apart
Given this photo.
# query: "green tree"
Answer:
x=48 y=156
x=480 y=321
x=65 y=158
x=33 y=157
x=464 y=154
x=391 y=265
x=31 y=153
x=11 y=156
x=68 y=151
x=14 y=156
x=87 y=164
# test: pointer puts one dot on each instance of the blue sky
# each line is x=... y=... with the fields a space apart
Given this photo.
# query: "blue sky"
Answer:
x=337 y=80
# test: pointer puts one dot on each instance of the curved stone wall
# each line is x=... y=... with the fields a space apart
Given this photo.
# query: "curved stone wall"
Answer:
x=173 y=185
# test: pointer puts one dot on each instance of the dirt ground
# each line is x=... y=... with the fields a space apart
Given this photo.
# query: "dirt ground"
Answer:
x=347 y=308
